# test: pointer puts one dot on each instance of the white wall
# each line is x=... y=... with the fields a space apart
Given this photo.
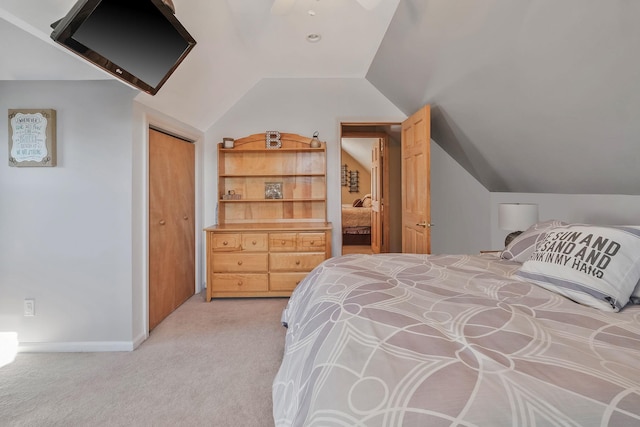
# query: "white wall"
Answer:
x=572 y=208
x=300 y=106
x=465 y=213
x=459 y=204
x=66 y=231
x=460 y=208
x=73 y=236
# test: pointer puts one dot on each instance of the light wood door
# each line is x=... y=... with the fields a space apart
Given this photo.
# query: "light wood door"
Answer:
x=171 y=224
x=416 y=202
x=376 y=196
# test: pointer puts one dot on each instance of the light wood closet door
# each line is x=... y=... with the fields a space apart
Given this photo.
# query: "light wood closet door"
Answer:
x=416 y=166
x=171 y=224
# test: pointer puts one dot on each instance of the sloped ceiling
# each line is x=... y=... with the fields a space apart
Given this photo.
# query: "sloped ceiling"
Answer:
x=360 y=149
x=239 y=42
x=528 y=96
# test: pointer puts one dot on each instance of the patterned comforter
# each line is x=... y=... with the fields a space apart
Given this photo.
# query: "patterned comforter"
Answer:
x=355 y=217
x=417 y=340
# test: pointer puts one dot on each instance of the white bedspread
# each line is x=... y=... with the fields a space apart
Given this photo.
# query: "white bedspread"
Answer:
x=415 y=340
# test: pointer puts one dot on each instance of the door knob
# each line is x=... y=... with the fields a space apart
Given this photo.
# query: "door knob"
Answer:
x=424 y=224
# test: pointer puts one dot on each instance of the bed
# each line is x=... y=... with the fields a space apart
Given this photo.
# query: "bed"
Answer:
x=356 y=225
x=356 y=222
x=467 y=340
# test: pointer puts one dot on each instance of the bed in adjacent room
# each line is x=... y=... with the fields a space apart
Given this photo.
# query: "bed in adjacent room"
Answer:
x=356 y=222
x=545 y=334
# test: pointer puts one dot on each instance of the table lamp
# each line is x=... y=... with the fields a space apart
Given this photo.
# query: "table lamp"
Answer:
x=516 y=217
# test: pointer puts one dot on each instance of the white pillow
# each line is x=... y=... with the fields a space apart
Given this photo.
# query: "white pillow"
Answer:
x=593 y=265
x=521 y=248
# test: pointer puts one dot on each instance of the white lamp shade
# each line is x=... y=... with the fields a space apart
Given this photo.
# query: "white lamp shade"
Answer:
x=517 y=216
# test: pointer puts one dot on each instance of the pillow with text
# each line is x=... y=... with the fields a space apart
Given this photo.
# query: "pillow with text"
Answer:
x=598 y=266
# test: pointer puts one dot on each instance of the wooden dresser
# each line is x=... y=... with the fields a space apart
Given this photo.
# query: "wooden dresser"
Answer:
x=267 y=259
x=272 y=216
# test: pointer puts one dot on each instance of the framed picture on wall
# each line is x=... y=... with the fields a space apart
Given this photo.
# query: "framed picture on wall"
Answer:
x=32 y=137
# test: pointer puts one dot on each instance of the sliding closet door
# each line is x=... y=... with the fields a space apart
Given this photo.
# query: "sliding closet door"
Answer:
x=171 y=224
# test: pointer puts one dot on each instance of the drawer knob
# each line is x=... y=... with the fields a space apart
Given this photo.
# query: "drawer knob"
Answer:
x=297 y=262
x=162 y=222
x=185 y=217
x=240 y=262
x=254 y=243
x=313 y=242
x=283 y=242
x=225 y=243
x=239 y=282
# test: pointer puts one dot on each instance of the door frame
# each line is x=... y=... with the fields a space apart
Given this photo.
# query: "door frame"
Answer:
x=143 y=120
x=369 y=130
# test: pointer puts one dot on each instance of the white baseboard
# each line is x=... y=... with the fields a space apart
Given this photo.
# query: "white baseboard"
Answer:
x=139 y=340
x=74 y=347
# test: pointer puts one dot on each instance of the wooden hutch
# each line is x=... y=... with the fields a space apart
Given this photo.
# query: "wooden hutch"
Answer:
x=272 y=217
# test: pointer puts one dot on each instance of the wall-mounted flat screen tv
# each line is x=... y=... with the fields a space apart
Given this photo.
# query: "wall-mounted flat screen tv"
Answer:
x=138 y=41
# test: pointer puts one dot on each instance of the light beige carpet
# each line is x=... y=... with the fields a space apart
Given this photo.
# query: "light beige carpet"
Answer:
x=207 y=364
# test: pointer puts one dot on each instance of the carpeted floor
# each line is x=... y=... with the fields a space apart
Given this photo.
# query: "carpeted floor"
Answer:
x=207 y=364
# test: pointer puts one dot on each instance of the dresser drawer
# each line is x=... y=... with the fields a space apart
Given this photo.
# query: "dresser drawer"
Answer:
x=226 y=242
x=297 y=242
x=285 y=281
x=282 y=241
x=239 y=262
x=240 y=282
x=255 y=242
x=295 y=261
x=311 y=242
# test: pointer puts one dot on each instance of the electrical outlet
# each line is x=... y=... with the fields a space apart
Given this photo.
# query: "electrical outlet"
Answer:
x=29 y=307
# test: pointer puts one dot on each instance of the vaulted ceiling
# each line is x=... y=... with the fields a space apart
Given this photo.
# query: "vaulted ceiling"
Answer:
x=528 y=96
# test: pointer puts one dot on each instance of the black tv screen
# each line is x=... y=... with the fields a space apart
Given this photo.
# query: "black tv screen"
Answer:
x=138 y=41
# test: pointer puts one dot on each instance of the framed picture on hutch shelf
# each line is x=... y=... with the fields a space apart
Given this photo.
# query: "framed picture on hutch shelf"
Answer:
x=273 y=190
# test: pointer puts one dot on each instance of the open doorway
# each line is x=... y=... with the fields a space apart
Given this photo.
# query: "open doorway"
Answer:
x=371 y=187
